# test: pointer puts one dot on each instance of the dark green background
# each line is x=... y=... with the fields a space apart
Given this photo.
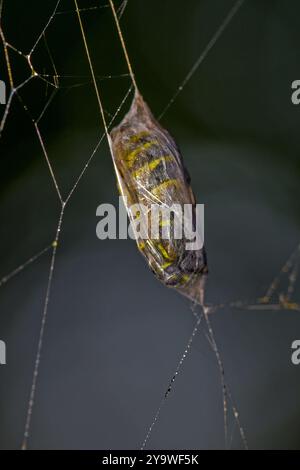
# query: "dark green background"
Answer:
x=114 y=334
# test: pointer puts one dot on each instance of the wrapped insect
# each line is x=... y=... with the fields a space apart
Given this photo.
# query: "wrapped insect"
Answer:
x=151 y=173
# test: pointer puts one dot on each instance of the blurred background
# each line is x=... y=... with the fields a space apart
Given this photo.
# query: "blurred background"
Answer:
x=114 y=335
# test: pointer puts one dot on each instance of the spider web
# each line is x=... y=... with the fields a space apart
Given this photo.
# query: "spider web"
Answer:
x=280 y=293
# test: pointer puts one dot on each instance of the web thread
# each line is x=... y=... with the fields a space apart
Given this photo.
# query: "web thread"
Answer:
x=276 y=296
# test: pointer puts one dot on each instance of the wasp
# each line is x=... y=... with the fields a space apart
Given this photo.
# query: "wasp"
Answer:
x=150 y=169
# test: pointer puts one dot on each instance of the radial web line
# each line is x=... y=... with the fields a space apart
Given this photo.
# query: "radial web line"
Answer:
x=292 y=281
x=285 y=269
x=41 y=336
x=6 y=55
x=171 y=383
x=55 y=76
x=98 y=145
x=123 y=44
x=122 y=8
x=65 y=12
x=92 y=72
x=44 y=29
x=22 y=266
x=225 y=389
x=48 y=162
x=203 y=55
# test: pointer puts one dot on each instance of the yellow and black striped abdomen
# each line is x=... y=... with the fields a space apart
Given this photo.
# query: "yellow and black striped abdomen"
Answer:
x=150 y=171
